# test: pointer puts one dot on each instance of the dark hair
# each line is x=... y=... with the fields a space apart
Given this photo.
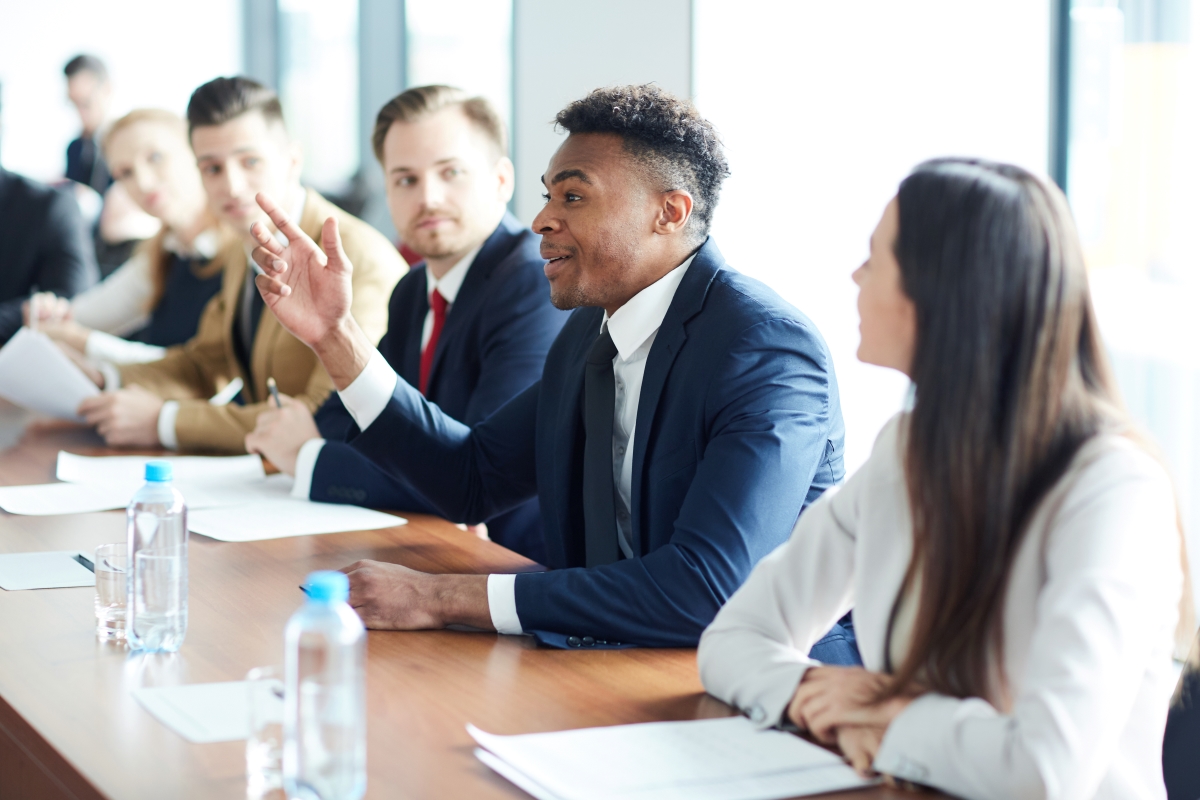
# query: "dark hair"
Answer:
x=223 y=99
x=421 y=101
x=678 y=147
x=1011 y=379
x=86 y=63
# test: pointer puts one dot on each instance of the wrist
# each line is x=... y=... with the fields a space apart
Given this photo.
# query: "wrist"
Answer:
x=344 y=352
x=461 y=600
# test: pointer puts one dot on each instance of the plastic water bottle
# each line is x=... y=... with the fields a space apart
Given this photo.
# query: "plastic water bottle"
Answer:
x=324 y=718
x=157 y=580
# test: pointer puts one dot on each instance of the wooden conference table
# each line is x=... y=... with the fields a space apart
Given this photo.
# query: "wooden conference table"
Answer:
x=69 y=727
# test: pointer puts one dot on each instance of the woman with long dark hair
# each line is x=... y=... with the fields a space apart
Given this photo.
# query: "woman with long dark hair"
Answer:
x=1011 y=552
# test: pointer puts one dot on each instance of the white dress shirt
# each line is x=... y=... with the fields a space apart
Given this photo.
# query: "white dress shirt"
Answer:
x=448 y=285
x=1088 y=626
x=633 y=328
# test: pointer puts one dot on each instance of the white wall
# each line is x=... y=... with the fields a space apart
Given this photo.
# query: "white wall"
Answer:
x=563 y=50
x=157 y=53
x=824 y=107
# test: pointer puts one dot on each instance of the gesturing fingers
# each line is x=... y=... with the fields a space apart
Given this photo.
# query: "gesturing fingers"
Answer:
x=280 y=219
x=271 y=288
x=331 y=241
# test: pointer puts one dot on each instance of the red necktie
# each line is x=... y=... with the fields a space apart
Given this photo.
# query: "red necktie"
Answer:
x=438 y=304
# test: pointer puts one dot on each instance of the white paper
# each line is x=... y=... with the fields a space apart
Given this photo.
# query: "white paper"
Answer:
x=714 y=759
x=277 y=518
x=62 y=498
x=201 y=712
x=36 y=375
x=52 y=570
x=132 y=469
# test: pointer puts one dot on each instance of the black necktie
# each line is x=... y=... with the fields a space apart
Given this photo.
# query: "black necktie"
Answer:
x=599 y=504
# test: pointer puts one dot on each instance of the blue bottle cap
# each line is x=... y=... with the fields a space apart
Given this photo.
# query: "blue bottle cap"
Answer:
x=327 y=586
x=159 y=471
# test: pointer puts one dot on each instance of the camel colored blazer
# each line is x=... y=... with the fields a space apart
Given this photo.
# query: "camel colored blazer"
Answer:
x=192 y=372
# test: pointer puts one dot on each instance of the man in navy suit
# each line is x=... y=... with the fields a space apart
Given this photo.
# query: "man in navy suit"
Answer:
x=685 y=415
x=470 y=326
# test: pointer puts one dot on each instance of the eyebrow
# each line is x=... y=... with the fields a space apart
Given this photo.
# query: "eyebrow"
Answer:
x=241 y=151
x=440 y=162
x=568 y=173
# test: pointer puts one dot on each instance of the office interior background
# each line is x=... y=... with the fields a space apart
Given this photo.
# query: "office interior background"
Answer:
x=823 y=107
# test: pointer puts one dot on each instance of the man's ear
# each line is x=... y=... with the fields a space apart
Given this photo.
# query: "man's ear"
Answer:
x=675 y=209
x=506 y=174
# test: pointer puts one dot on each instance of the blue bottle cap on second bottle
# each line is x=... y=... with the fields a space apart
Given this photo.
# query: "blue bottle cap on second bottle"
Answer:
x=327 y=586
x=159 y=471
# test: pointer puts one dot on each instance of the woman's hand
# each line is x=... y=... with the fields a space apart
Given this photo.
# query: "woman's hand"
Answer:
x=859 y=746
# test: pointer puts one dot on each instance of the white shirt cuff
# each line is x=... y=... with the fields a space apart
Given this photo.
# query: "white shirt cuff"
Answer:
x=502 y=604
x=166 y=425
x=306 y=462
x=368 y=395
x=112 y=376
x=102 y=346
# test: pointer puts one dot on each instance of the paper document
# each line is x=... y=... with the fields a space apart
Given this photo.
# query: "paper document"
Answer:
x=38 y=376
x=280 y=517
x=132 y=469
x=201 y=712
x=63 y=498
x=54 y=570
x=712 y=759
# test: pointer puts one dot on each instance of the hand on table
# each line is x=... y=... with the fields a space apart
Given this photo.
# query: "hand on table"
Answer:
x=280 y=432
x=127 y=417
x=839 y=705
x=50 y=308
x=394 y=597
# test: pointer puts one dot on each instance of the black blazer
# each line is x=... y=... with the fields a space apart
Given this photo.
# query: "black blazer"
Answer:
x=493 y=345
x=43 y=245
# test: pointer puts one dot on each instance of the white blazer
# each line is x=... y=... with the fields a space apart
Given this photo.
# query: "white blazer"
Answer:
x=1089 y=619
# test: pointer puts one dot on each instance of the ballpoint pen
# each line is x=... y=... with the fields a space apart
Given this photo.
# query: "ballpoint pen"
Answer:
x=274 y=392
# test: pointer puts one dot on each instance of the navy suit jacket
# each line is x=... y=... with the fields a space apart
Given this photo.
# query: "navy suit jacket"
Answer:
x=739 y=427
x=493 y=346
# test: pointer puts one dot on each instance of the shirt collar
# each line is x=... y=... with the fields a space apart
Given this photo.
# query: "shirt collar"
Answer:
x=636 y=321
x=205 y=245
x=449 y=284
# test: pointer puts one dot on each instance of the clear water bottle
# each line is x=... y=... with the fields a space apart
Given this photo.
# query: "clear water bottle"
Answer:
x=157 y=580
x=324 y=719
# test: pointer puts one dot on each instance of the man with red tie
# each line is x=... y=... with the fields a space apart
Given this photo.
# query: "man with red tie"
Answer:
x=470 y=327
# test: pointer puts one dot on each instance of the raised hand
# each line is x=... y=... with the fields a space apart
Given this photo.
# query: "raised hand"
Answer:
x=307 y=287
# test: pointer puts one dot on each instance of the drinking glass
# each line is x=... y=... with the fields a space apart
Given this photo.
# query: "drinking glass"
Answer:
x=264 y=748
x=111 y=564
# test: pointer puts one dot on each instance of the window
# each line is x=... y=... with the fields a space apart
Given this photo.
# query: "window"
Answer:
x=1133 y=167
x=464 y=43
x=318 y=86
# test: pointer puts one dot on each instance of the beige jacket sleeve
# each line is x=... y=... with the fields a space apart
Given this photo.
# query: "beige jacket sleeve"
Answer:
x=205 y=364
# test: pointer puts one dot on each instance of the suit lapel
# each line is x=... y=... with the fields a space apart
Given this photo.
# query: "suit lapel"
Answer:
x=231 y=292
x=418 y=308
x=471 y=293
x=567 y=433
x=688 y=301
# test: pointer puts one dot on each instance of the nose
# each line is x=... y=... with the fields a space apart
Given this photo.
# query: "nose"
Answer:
x=435 y=192
x=143 y=180
x=545 y=222
x=856 y=276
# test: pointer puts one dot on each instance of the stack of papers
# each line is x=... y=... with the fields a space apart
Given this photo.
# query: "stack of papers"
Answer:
x=37 y=375
x=60 y=569
x=712 y=759
x=229 y=498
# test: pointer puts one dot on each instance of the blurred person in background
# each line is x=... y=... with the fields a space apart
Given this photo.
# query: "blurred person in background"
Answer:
x=155 y=299
x=242 y=147
x=118 y=224
x=470 y=326
x=43 y=245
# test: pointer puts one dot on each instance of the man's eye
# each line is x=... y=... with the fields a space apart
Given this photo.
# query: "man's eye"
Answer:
x=452 y=172
x=251 y=162
x=407 y=180
x=154 y=157
x=546 y=196
x=211 y=169
x=571 y=197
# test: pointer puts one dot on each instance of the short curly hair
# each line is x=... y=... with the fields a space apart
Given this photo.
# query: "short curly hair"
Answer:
x=679 y=148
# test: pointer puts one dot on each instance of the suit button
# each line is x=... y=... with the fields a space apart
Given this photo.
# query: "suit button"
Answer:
x=757 y=714
x=588 y=641
x=573 y=641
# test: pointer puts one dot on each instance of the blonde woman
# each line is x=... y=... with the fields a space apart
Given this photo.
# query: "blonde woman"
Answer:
x=1010 y=551
x=156 y=298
